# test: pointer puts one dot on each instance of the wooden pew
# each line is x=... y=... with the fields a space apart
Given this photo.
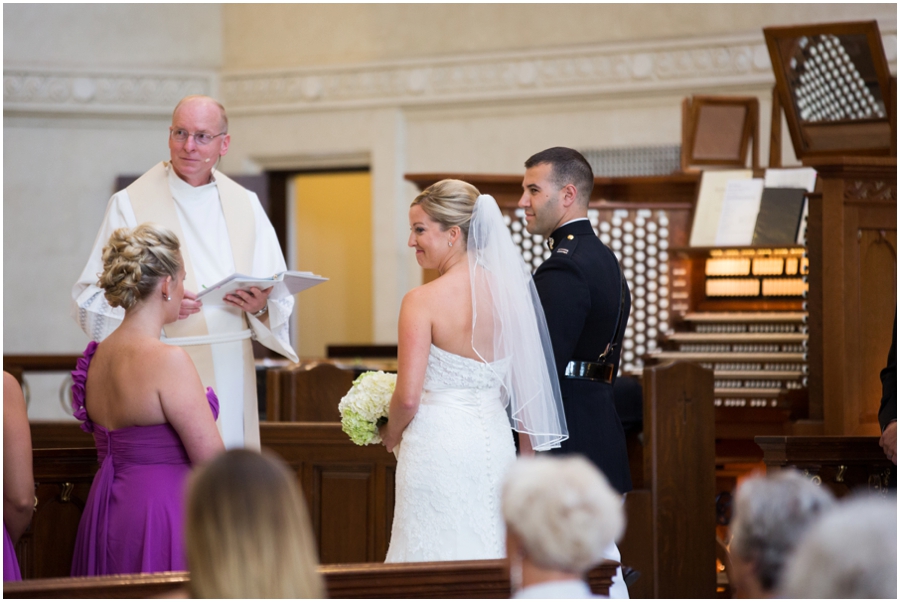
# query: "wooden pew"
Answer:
x=349 y=492
x=307 y=392
x=466 y=579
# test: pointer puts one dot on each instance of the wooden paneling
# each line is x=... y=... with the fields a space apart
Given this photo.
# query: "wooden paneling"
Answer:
x=852 y=242
x=347 y=488
x=62 y=480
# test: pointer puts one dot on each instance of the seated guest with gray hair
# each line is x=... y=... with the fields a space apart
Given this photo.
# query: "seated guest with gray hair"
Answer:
x=561 y=515
x=771 y=515
x=850 y=553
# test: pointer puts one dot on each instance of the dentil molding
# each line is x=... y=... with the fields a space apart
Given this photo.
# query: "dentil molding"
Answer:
x=622 y=69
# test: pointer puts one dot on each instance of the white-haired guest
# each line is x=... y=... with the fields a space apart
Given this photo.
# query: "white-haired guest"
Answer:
x=561 y=515
x=771 y=515
x=850 y=553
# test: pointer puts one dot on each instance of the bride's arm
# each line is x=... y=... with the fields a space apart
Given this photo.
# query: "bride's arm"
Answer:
x=413 y=346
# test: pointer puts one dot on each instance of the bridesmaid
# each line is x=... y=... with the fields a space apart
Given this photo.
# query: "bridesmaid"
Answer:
x=145 y=405
x=18 y=479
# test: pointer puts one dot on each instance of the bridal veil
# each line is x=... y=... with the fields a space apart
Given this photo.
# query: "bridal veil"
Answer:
x=508 y=324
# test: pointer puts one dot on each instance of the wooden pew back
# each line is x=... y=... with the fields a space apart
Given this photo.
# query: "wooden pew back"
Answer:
x=670 y=537
x=308 y=392
x=349 y=492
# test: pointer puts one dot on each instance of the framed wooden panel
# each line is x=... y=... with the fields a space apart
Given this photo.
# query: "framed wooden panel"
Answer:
x=835 y=87
x=716 y=130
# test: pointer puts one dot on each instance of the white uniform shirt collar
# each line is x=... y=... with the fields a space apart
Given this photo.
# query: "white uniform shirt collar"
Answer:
x=577 y=219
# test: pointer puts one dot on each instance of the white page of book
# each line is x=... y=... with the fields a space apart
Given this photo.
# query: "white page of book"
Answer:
x=709 y=204
x=792 y=177
x=739 y=210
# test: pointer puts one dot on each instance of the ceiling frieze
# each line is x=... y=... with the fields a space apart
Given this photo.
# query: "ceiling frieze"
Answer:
x=687 y=66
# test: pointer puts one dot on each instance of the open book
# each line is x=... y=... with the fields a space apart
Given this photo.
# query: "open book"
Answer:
x=286 y=283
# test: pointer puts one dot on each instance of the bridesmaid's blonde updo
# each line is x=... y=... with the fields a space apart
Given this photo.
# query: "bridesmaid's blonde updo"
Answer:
x=134 y=260
x=449 y=203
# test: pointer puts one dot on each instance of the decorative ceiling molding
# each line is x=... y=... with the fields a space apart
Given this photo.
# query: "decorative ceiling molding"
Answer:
x=623 y=69
x=129 y=93
x=682 y=66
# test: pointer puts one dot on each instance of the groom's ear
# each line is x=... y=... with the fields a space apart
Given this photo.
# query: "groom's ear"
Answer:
x=568 y=195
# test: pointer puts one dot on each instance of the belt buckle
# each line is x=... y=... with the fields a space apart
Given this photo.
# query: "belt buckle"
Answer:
x=593 y=371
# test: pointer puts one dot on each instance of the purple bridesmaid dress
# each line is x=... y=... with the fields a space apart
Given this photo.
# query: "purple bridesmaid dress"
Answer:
x=133 y=518
x=10 y=562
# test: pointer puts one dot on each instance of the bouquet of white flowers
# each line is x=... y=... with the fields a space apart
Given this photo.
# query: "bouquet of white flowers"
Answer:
x=365 y=406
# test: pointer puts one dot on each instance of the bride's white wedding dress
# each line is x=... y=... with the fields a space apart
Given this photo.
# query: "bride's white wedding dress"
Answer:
x=454 y=455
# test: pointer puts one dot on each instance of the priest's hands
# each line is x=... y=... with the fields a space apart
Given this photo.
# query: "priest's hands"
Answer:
x=251 y=300
x=189 y=305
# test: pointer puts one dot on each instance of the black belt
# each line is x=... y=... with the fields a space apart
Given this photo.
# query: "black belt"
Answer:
x=590 y=371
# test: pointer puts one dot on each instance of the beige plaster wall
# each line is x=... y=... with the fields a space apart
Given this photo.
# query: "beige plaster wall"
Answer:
x=297 y=35
x=186 y=36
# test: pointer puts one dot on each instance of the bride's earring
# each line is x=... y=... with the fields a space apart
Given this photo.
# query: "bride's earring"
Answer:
x=450 y=244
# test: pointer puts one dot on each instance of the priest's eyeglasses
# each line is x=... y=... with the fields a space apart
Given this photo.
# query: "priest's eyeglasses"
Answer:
x=201 y=138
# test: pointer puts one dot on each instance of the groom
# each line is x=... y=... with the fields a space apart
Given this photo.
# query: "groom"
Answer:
x=587 y=302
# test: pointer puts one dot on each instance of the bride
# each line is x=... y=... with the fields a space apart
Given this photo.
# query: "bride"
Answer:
x=474 y=358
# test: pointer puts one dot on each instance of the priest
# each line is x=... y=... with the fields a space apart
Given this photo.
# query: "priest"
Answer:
x=223 y=229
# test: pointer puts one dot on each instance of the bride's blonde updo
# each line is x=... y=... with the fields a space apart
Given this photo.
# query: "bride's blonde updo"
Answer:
x=449 y=203
x=134 y=260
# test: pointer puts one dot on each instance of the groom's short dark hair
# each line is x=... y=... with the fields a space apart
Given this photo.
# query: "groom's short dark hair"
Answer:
x=569 y=167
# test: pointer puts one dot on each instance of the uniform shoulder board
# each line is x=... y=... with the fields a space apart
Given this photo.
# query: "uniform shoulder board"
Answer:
x=567 y=245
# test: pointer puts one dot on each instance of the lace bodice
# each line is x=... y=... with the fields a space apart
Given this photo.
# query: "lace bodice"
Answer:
x=450 y=371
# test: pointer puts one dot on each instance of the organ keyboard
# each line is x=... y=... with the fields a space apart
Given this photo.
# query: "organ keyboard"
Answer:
x=755 y=356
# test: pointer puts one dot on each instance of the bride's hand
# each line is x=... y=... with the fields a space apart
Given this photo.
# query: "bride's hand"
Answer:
x=388 y=438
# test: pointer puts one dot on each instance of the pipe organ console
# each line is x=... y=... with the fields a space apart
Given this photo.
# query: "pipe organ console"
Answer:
x=740 y=312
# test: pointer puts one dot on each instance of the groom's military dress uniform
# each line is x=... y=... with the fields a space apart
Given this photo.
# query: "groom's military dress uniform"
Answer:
x=580 y=286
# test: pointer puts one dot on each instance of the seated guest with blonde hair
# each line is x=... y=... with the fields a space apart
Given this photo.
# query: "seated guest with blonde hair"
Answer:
x=146 y=407
x=851 y=552
x=771 y=515
x=248 y=532
x=561 y=515
x=18 y=478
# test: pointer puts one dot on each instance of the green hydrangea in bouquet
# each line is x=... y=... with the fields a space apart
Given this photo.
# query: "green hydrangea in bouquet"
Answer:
x=365 y=406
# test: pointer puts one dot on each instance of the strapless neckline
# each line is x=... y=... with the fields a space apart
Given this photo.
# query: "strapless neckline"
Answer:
x=456 y=355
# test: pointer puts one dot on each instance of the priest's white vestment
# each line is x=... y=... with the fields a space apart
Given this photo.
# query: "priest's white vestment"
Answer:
x=222 y=229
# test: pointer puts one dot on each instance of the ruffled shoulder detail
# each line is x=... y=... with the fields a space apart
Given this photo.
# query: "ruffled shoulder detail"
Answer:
x=213 y=402
x=79 y=381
